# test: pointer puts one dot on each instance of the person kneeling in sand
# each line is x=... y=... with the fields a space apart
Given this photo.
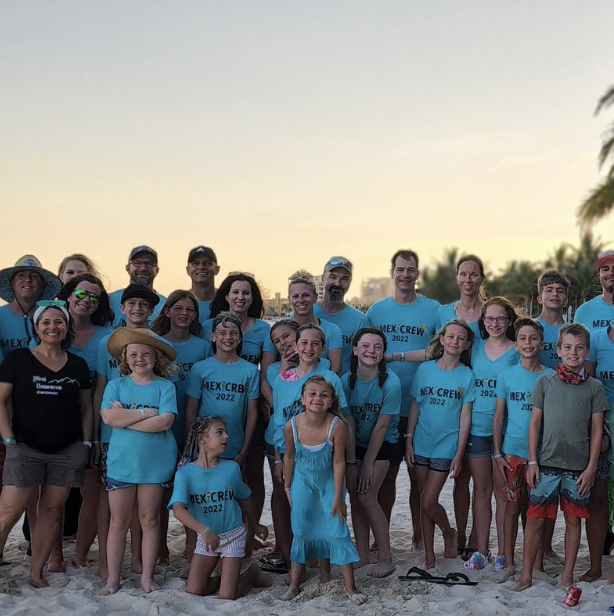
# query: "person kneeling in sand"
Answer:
x=568 y=407
x=209 y=497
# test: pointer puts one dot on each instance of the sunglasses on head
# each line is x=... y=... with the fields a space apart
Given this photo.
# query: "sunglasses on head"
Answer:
x=94 y=298
x=45 y=303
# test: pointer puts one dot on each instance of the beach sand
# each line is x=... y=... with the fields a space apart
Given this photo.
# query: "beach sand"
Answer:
x=76 y=591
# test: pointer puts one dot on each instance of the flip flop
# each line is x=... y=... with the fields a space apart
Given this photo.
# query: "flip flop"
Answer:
x=274 y=569
x=452 y=579
x=273 y=559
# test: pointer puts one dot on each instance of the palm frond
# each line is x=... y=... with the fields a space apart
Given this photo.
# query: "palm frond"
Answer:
x=606 y=100
x=607 y=146
x=598 y=204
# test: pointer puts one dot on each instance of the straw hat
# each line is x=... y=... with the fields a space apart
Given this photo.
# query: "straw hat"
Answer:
x=123 y=336
x=51 y=283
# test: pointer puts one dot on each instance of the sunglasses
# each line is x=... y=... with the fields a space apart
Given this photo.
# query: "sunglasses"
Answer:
x=45 y=303
x=249 y=274
x=83 y=294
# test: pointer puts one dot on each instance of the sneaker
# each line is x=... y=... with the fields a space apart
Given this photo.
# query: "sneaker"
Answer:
x=500 y=564
x=477 y=561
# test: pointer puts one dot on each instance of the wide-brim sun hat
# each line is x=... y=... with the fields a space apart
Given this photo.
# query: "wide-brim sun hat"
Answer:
x=51 y=283
x=123 y=336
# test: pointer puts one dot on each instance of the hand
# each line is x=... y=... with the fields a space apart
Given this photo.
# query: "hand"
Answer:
x=95 y=455
x=532 y=476
x=289 y=359
x=211 y=540
x=287 y=491
x=365 y=477
x=278 y=473
x=409 y=454
x=262 y=531
x=585 y=481
x=240 y=460
x=116 y=404
x=339 y=507
x=503 y=465
x=351 y=478
x=456 y=466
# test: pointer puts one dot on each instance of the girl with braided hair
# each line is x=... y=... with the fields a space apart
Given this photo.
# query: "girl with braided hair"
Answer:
x=210 y=498
x=374 y=400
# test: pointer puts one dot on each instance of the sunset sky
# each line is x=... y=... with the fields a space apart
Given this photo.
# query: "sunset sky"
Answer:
x=282 y=133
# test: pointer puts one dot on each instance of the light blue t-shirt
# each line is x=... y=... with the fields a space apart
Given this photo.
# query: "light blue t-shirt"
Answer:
x=349 y=321
x=486 y=374
x=440 y=395
x=256 y=340
x=333 y=337
x=211 y=494
x=195 y=349
x=515 y=386
x=141 y=457
x=204 y=310
x=447 y=313
x=15 y=331
x=90 y=351
x=595 y=314
x=408 y=327
x=602 y=354
x=115 y=300
x=287 y=402
x=224 y=390
x=367 y=401
x=548 y=355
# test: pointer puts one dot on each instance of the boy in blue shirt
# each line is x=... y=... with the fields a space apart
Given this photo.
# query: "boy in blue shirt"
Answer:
x=564 y=443
x=552 y=292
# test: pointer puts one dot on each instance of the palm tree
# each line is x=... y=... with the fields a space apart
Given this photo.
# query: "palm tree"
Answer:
x=600 y=201
x=439 y=282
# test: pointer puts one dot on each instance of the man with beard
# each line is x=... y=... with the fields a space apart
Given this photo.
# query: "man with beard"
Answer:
x=202 y=269
x=597 y=312
x=142 y=268
x=332 y=308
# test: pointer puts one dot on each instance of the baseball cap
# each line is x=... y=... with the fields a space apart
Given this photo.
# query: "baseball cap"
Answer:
x=141 y=249
x=202 y=251
x=334 y=262
x=607 y=255
x=142 y=292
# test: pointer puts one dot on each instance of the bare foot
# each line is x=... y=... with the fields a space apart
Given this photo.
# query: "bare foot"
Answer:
x=110 y=589
x=185 y=573
x=136 y=567
x=521 y=585
x=591 y=575
x=103 y=573
x=566 y=581
x=356 y=597
x=149 y=585
x=312 y=563
x=449 y=544
x=324 y=576
x=79 y=562
x=259 y=579
x=429 y=564
x=163 y=561
x=381 y=570
x=39 y=582
x=359 y=564
x=416 y=546
x=553 y=557
x=290 y=594
x=56 y=566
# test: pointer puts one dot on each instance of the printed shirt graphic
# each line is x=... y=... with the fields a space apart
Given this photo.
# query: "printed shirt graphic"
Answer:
x=408 y=327
x=440 y=395
x=548 y=356
x=602 y=354
x=224 y=390
x=595 y=314
x=15 y=331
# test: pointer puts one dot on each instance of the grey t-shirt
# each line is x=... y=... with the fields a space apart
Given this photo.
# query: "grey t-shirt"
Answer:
x=566 y=427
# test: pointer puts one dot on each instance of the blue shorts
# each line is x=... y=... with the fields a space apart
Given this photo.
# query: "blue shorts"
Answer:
x=115 y=484
x=440 y=465
x=478 y=446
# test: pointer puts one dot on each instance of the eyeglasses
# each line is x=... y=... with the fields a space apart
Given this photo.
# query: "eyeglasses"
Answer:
x=45 y=303
x=146 y=264
x=499 y=320
x=83 y=294
x=338 y=262
x=242 y=274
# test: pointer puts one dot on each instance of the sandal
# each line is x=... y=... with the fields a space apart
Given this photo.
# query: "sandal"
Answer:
x=500 y=564
x=477 y=561
x=274 y=563
x=416 y=574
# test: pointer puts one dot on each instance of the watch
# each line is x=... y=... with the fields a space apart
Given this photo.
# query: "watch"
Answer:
x=9 y=440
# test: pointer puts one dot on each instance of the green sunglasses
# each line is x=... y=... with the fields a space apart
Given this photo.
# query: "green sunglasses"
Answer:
x=45 y=303
x=83 y=294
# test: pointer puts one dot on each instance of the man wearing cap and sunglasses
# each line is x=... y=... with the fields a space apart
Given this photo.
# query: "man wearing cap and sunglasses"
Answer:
x=22 y=286
x=142 y=268
x=332 y=308
x=202 y=269
x=598 y=312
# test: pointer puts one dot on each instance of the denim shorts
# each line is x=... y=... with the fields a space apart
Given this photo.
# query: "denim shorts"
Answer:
x=478 y=446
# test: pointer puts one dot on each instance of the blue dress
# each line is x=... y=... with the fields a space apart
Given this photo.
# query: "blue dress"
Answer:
x=317 y=534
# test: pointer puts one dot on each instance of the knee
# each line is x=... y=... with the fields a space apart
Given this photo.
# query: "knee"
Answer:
x=149 y=519
x=572 y=521
x=9 y=516
x=50 y=511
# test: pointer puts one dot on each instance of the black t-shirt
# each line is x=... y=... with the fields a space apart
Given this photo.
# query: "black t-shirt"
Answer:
x=46 y=409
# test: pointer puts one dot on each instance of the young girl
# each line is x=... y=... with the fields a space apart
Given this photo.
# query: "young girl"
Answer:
x=141 y=408
x=374 y=399
x=210 y=498
x=438 y=427
x=489 y=355
x=470 y=278
x=314 y=470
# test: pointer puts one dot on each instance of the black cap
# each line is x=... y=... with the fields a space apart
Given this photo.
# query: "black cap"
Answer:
x=141 y=291
x=202 y=251
x=140 y=249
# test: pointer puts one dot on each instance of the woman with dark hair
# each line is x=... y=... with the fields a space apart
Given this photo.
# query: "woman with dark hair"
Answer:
x=91 y=318
x=240 y=295
x=47 y=436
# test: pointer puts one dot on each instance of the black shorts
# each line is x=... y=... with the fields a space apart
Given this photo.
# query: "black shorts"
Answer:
x=387 y=451
x=399 y=452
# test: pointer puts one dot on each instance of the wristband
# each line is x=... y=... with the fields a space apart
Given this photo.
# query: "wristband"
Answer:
x=278 y=462
x=402 y=356
x=497 y=456
x=9 y=440
x=351 y=462
x=532 y=462
x=286 y=489
x=143 y=416
x=88 y=444
x=409 y=435
x=203 y=531
x=95 y=442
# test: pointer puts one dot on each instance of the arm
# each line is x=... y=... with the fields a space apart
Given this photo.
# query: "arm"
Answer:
x=339 y=438
x=87 y=413
x=463 y=437
x=191 y=409
x=159 y=423
x=335 y=358
x=250 y=427
x=119 y=417
x=587 y=478
x=288 y=460
x=376 y=439
x=101 y=383
x=210 y=538
x=590 y=368
x=412 y=420
x=247 y=507
x=351 y=475
x=419 y=355
x=265 y=389
x=6 y=429
x=535 y=428
x=497 y=437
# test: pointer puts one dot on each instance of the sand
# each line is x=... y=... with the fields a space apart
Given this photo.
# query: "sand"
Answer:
x=76 y=591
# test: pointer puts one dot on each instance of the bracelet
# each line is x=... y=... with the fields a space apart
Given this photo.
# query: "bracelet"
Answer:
x=203 y=531
x=95 y=442
x=409 y=435
x=497 y=456
x=88 y=444
x=286 y=489
x=240 y=454
x=532 y=462
x=143 y=415
x=278 y=462
x=402 y=356
x=351 y=462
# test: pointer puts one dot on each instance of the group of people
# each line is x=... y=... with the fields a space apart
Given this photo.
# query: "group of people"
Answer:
x=149 y=404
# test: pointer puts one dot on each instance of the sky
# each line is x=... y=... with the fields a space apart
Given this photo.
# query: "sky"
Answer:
x=283 y=133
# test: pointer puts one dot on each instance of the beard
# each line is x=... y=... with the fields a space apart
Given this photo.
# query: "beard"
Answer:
x=335 y=295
